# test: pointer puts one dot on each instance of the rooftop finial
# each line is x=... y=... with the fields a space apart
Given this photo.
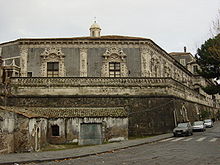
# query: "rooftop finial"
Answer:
x=94 y=19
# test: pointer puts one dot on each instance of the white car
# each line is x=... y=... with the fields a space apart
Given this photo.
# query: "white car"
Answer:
x=208 y=123
x=199 y=126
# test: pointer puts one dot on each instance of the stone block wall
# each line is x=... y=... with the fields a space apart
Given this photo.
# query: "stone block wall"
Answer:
x=147 y=114
x=14 y=135
x=114 y=129
x=61 y=123
x=6 y=143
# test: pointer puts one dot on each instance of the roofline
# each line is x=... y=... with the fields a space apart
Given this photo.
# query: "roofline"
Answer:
x=81 y=38
x=182 y=53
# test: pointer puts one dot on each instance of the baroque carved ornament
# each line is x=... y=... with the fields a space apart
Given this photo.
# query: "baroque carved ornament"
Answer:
x=114 y=54
x=52 y=55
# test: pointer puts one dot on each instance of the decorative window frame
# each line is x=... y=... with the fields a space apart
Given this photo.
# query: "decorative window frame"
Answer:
x=52 y=55
x=114 y=54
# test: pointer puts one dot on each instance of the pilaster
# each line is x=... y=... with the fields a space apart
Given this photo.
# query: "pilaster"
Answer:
x=23 y=61
x=83 y=62
x=145 y=62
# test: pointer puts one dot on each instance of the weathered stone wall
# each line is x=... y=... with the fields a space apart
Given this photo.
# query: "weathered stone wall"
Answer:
x=6 y=143
x=21 y=134
x=147 y=115
x=13 y=132
x=11 y=51
x=34 y=61
x=6 y=132
x=72 y=61
x=37 y=133
x=133 y=61
x=95 y=61
x=69 y=128
x=62 y=131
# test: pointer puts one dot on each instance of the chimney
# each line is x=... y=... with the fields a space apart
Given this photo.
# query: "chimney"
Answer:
x=184 y=49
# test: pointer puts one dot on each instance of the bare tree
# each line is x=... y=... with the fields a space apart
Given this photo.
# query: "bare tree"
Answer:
x=215 y=29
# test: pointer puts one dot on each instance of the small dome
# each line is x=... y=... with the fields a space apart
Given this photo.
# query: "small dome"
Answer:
x=95 y=26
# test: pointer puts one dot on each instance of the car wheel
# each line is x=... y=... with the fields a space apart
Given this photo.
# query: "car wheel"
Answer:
x=188 y=133
x=191 y=133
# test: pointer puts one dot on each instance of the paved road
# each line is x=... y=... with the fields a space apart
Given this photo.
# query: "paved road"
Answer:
x=203 y=148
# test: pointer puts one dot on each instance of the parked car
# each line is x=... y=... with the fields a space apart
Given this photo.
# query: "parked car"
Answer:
x=199 y=126
x=183 y=129
x=208 y=123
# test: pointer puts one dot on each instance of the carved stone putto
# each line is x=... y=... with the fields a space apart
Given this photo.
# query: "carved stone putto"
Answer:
x=52 y=55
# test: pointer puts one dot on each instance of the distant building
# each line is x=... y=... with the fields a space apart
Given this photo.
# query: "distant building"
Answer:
x=94 y=89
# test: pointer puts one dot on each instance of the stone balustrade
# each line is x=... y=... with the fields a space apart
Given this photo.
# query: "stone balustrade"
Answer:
x=88 y=81
x=105 y=86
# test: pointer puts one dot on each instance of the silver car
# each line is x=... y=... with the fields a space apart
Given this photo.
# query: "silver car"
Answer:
x=208 y=123
x=199 y=126
x=183 y=129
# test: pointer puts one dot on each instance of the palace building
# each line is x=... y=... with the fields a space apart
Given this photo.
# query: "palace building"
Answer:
x=95 y=89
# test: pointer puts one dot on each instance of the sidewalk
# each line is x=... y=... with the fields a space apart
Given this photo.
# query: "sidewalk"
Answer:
x=77 y=152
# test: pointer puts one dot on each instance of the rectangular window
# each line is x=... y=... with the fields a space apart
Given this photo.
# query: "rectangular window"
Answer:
x=29 y=74
x=183 y=62
x=53 y=69
x=195 y=69
x=55 y=130
x=114 y=69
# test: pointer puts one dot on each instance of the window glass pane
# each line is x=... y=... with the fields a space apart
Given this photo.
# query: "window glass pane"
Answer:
x=53 y=69
x=49 y=66
x=114 y=69
x=111 y=64
x=55 y=74
x=117 y=65
x=29 y=74
x=111 y=67
x=56 y=66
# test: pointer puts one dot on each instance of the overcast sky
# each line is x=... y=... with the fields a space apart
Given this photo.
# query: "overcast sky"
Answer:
x=172 y=24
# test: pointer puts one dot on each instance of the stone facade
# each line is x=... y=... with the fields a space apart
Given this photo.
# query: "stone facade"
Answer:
x=118 y=86
x=31 y=128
